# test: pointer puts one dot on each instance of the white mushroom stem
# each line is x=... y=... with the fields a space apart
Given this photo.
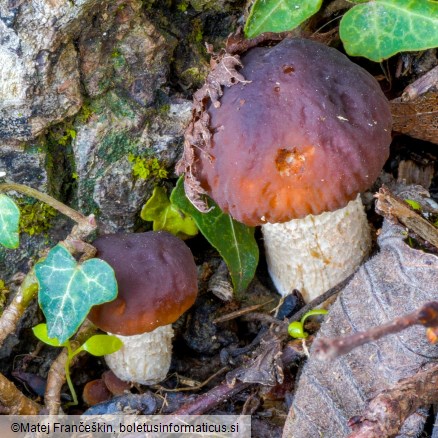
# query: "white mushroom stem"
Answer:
x=144 y=358
x=314 y=254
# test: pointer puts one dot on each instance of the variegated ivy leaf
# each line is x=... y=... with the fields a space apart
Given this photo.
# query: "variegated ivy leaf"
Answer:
x=68 y=290
x=9 y=219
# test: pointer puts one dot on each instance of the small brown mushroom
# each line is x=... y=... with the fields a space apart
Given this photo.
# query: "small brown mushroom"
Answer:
x=157 y=281
x=308 y=133
x=95 y=392
x=114 y=384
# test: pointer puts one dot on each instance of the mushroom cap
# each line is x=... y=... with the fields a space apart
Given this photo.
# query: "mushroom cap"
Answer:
x=306 y=135
x=157 y=281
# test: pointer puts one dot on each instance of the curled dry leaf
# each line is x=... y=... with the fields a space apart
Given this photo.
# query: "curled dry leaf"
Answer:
x=197 y=137
x=265 y=367
x=396 y=281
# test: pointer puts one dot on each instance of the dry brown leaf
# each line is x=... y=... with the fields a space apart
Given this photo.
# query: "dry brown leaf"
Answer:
x=394 y=282
x=417 y=118
x=197 y=137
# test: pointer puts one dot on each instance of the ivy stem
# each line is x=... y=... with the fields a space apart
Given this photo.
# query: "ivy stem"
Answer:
x=44 y=197
x=67 y=375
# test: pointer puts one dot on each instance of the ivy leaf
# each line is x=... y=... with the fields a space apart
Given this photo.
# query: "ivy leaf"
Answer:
x=100 y=345
x=68 y=290
x=166 y=216
x=234 y=241
x=9 y=220
x=382 y=28
x=278 y=15
x=40 y=332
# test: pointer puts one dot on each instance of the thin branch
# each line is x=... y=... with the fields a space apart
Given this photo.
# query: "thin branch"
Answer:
x=44 y=197
x=421 y=85
x=221 y=393
x=12 y=314
x=282 y=330
x=56 y=376
x=14 y=400
x=325 y=348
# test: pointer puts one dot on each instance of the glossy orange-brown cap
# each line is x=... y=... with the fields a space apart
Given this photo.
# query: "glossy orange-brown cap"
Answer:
x=157 y=281
x=306 y=135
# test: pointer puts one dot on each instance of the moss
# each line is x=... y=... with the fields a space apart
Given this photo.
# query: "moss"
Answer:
x=88 y=205
x=206 y=5
x=3 y=295
x=194 y=76
x=147 y=167
x=183 y=5
x=197 y=35
x=118 y=59
x=164 y=109
x=85 y=113
x=62 y=134
x=121 y=108
x=35 y=217
x=115 y=145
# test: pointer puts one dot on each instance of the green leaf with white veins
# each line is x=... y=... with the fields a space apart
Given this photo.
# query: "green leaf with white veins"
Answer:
x=9 y=219
x=278 y=15
x=381 y=28
x=68 y=290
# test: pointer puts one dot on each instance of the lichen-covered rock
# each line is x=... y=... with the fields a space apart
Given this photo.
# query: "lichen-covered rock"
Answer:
x=125 y=50
x=103 y=147
x=89 y=82
x=23 y=166
x=39 y=76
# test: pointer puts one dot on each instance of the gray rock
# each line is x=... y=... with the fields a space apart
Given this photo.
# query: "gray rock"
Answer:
x=107 y=186
x=23 y=166
x=125 y=51
x=39 y=74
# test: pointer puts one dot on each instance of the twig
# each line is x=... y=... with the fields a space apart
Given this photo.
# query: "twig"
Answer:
x=330 y=348
x=240 y=312
x=206 y=402
x=262 y=317
x=221 y=393
x=12 y=314
x=387 y=412
x=392 y=207
x=193 y=388
x=44 y=197
x=15 y=401
x=421 y=85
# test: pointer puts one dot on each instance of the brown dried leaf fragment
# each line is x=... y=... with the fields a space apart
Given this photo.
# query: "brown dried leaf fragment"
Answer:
x=417 y=118
x=266 y=368
x=197 y=137
x=386 y=412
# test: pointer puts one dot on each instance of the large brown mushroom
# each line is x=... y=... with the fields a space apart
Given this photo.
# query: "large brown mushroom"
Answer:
x=157 y=283
x=303 y=135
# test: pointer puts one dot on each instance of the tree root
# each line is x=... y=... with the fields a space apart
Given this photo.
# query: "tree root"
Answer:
x=56 y=376
x=15 y=401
